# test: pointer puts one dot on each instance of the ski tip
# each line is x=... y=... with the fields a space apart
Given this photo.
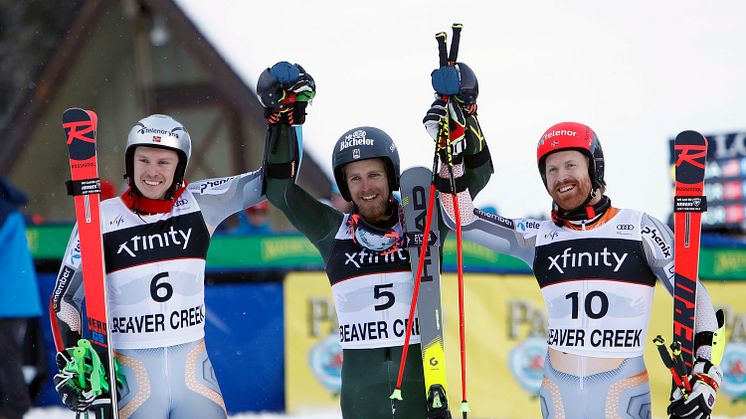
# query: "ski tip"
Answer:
x=396 y=395
x=457 y=26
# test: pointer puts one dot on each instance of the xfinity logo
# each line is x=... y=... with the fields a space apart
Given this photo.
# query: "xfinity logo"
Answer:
x=155 y=241
x=361 y=258
x=586 y=259
x=357 y=138
x=655 y=236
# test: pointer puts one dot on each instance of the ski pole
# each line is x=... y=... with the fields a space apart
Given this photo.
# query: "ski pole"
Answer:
x=678 y=362
x=660 y=343
x=455 y=43
x=396 y=395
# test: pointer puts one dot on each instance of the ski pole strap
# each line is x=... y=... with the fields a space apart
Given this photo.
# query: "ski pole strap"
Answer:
x=444 y=185
x=477 y=159
x=690 y=204
x=83 y=186
x=280 y=170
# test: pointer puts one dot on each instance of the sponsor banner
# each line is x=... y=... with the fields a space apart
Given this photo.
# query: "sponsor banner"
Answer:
x=506 y=345
x=295 y=252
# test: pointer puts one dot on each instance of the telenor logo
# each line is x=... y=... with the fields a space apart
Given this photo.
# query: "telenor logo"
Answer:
x=564 y=132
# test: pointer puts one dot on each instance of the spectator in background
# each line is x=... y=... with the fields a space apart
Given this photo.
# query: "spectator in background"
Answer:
x=253 y=220
x=108 y=189
x=19 y=301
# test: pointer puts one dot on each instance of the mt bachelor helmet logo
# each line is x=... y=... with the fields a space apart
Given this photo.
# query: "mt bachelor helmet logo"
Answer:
x=357 y=138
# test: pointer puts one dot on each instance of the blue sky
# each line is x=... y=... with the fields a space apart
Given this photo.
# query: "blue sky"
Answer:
x=637 y=72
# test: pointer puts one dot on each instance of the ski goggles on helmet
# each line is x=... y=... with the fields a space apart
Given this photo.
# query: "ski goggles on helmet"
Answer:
x=384 y=241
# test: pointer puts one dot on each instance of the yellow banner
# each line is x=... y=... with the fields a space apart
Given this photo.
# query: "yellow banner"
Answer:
x=505 y=328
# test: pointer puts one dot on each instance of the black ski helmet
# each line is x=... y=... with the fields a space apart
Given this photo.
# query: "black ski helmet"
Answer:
x=573 y=136
x=469 y=84
x=158 y=131
x=363 y=143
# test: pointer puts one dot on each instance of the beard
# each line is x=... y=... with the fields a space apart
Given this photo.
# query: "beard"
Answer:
x=373 y=211
x=573 y=199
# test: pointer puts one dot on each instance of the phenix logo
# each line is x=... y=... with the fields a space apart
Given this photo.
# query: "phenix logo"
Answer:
x=355 y=139
x=155 y=241
x=586 y=259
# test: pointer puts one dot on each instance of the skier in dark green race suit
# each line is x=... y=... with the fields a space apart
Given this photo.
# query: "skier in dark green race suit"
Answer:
x=364 y=255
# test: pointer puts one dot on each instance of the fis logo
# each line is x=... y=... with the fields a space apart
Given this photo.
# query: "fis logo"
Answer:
x=357 y=138
x=552 y=235
x=140 y=243
x=117 y=221
x=569 y=259
x=625 y=227
x=356 y=153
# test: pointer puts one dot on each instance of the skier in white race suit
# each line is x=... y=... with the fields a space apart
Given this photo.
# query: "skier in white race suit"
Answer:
x=596 y=266
x=155 y=241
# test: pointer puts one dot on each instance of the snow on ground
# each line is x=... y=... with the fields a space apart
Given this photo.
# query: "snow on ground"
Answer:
x=61 y=413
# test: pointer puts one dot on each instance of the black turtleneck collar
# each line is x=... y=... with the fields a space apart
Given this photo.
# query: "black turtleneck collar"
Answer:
x=581 y=213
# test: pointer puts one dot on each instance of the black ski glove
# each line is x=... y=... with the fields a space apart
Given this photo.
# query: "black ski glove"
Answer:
x=705 y=381
x=450 y=147
x=285 y=90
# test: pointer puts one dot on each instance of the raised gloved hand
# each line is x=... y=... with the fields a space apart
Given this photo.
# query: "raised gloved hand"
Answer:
x=459 y=83
x=705 y=380
x=81 y=381
x=451 y=144
x=285 y=90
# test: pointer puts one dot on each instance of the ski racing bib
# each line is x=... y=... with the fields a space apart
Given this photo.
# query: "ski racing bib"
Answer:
x=155 y=273
x=372 y=293
x=597 y=287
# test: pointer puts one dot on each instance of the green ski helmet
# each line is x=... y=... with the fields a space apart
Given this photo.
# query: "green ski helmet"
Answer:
x=363 y=143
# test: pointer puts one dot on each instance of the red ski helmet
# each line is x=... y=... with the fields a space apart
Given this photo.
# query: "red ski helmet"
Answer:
x=572 y=136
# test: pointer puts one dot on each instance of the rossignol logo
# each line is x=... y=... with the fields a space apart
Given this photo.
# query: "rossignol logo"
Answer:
x=658 y=240
x=555 y=133
x=569 y=259
x=357 y=138
x=166 y=239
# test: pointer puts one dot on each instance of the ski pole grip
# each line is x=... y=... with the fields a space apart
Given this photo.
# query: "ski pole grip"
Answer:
x=453 y=56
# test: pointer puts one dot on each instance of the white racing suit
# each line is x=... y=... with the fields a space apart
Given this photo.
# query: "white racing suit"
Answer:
x=597 y=281
x=155 y=269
